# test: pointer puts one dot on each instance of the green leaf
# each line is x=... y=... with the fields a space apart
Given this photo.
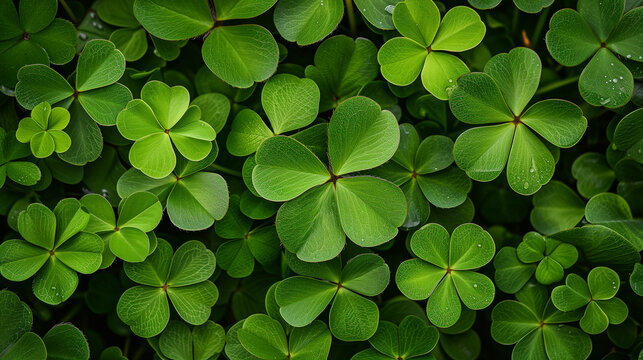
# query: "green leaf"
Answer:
x=215 y=108
x=471 y=247
x=17 y=318
x=140 y=210
x=571 y=296
x=476 y=290
x=241 y=55
x=417 y=279
x=532 y=7
x=352 y=317
x=312 y=341
x=570 y=40
x=594 y=320
x=461 y=29
x=193 y=303
x=86 y=138
x=192 y=263
x=556 y=208
x=289 y=102
x=447 y=188
x=366 y=274
x=197 y=201
x=263 y=337
x=307 y=21
x=361 y=136
x=443 y=307
x=176 y=341
x=483 y=152
x=605 y=81
x=614 y=212
x=131 y=42
x=602 y=17
x=511 y=274
x=81 y=253
x=35 y=16
x=417 y=20
x=20 y=260
x=66 y=341
x=55 y=282
x=593 y=173
x=241 y=9
x=118 y=13
x=378 y=13
x=531 y=164
x=39 y=83
x=636 y=279
x=302 y=299
x=401 y=60
x=625 y=40
x=155 y=269
x=628 y=135
x=130 y=244
x=248 y=131
x=512 y=321
x=440 y=73
x=59 y=41
x=100 y=64
x=170 y=21
x=145 y=309
x=603 y=283
x=478 y=100
x=104 y=104
x=37 y=224
x=17 y=54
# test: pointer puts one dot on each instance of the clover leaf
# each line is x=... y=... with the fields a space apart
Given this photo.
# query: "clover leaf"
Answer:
x=556 y=207
x=178 y=342
x=636 y=279
x=159 y=122
x=599 y=30
x=593 y=174
x=15 y=336
x=552 y=256
x=612 y=211
x=628 y=135
x=499 y=96
x=424 y=172
x=352 y=317
x=183 y=277
x=44 y=130
x=537 y=327
x=307 y=21
x=290 y=103
x=324 y=206
x=32 y=35
x=528 y=6
x=511 y=273
x=22 y=172
x=596 y=297
x=237 y=255
x=412 y=339
x=126 y=237
x=443 y=271
x=54 y=248
x=261 y=337
x=425 y=43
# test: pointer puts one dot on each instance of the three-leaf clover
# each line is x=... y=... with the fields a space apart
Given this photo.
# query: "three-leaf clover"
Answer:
x=599 y=30
x=178 y=342
x=32 y=35
x=160 y=121
x=412 y=339
x=54 y=248
x=22 y=172
x=444 y=272
x=328 y=204
x=425 y=43
x=352 y=317
x=552 y=256
x=536 y=327
x=290 y=103
x=126 y=238
x=596 y=296
x=44 y=130
x=424 y=171
x=183 y=277
x=261 y=337
x=499 y=96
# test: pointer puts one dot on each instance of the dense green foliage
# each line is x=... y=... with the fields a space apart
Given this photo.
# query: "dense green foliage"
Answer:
x=321 y=179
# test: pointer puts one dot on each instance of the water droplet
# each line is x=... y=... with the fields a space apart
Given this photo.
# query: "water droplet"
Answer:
x=525 y=185
x=620 y=77
x=322 y=3
x=53 y=288
x=629 y=56
x=615 y=80
x=99 y=26
x=605 y=102
x=479 y=245
x=92 y=15
x=475 y=285
x=450 y=80
x=569 y=332
x=532 y=170
x=389 y=8
x=82 y=36
x=613 y=282
x=612 y=64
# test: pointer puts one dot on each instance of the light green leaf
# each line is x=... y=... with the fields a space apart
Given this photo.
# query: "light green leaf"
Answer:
x=626 y=39
x=530 y=165
x=628 y=135
x=476 y=290
x=560 y=122
x=477 y=100
x=192 y=263
x=130 y=244
x=417 y=279
x=145 y=309
x=366 y=274
x=171 y=21
x=154 y=270
x=593 y=174
x=431 y=243
x=417 y=20
x=140 y=210
x=461 y=29
x=603 y=283
x=55 y=282
x=65 y=341
x=289 y=102
x=307 y=21
x=264 y=337
x=352 y=317
x=100 y=64
x=483 y=152
x=447 y=188
x=570 y=40
x=197 y=201
x=153 y=155
x=401 y=60
x=20 y=260
x=511 y=274
x=248 y=131
x=193 y=303
x=241 y=9
x=302 y=299
x=517 y=74
x=571 y=296
x=131 y=42
x=594 y=320
x=601 y=16
x=440 y=73
x=443 y=307
x=471 y=247
x=38 y=83
x=104 y=104
x=37 y=224
x=556 y=208
x=81 y=253
x=605 y=81
x=312 y=341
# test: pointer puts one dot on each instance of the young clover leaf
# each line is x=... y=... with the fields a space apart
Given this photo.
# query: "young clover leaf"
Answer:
x=23 y=172
x=16 y=340
x=183 y=277
x=194 y=199
x=612 y=211
x=499 y=96
x=159 y=122
x=444 y=272
x=32 y=35
x=556 y=207
x=352 y=316
x=130 y=39
x=412 y=339
x=240 y=54
x=598 y=30
x=593 y=174
x=596 y=297
x=424 y=171
x=425 y=43
x=290 y=103
x=628 y=135
x=54 y=248
x=44 y=130
x=536 y=327
x=356 y=56
x=528 y=6
x=237 y=255
x=126 y=238
x=261 y=337
x=178 y=342
x=552 y=256
x=65 y=341
x=324 y=206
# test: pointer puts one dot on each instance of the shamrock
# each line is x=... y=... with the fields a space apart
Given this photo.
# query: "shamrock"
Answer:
x=261 y=337
x=528 y=6
x=536 y=327
x=178 y=342
x=183 y=277
x=596 y=296
x=412 y=339
x=131 y=38
x=352 y=317
x=33 y=35
x=96 y=97
x=553 y=257
x=598 y=30
x=443 y=271
x=44 y=130
x=423 y=171
x=499 y=95
x=325 y=204
x=237 y=255
x=424 y=44
x=22 y=172
x=54 y=248
x=290 y=103
x=240 y=55
x=126 y=238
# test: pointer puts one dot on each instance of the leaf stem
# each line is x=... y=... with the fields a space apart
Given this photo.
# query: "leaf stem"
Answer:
x=351 y=16
x=557 y=84
x=535 y=37
x=226 y=170
x=69 y=12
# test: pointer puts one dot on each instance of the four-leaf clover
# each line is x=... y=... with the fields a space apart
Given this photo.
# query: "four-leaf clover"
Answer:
x=44 y=130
